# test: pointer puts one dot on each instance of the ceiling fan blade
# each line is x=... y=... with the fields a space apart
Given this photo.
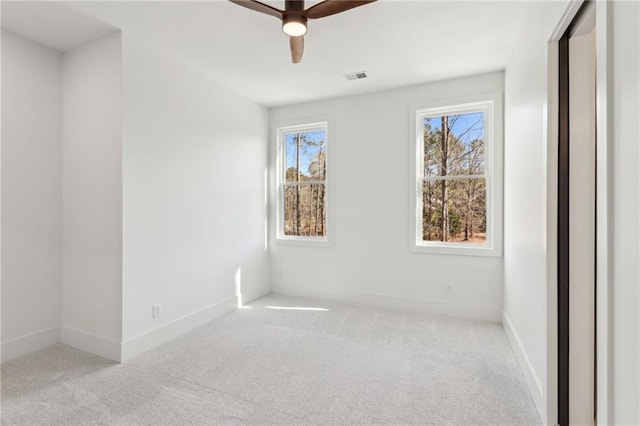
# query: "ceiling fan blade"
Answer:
x=297 y=47
x=331 y=7
x=259 y=7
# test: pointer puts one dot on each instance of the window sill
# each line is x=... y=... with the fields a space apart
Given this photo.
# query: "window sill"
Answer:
x=304 y=242
x=456 y=249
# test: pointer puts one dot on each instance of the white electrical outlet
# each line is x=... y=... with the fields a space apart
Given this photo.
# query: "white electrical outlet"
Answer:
x=155 y=310
x=448 y=289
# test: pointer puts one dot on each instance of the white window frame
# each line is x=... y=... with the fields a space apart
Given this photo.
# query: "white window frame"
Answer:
x=281 y=129
x=491 y=106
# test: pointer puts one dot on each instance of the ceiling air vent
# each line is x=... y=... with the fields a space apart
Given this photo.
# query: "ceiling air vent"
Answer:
x=356 y=75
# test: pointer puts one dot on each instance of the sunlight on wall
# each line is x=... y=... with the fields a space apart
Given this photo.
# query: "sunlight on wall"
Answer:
x=266 y=210
x=237 y=280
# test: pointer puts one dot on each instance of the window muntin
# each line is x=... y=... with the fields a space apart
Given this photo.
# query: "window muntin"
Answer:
x=454 y=177
x=302 y=213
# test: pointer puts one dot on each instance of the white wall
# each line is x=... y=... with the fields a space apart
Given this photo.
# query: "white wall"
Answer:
x=525 y=208
x=92 y=197
x=31 y=195
x=624 y=49
x=175 y=167
x=194 y=160
x=525 y=227
x=370 y=261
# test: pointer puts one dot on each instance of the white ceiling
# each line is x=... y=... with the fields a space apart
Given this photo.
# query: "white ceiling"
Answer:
x=49 y=24
x=398 y=43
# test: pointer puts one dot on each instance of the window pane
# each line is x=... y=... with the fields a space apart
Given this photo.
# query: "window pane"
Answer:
x=305 y=210
x=459 y=149
x=463 y=205
x=305 y=155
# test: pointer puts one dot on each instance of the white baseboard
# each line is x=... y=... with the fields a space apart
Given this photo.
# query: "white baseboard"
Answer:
x=437 y=307
x=535 y=387
x=143 y=342
x=89 y=342
x=31 y=342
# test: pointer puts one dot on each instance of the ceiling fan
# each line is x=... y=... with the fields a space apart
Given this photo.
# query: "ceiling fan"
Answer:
x=294 y=17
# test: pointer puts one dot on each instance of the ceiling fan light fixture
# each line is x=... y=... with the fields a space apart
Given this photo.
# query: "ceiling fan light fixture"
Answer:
x=294 y=25
x=294 y=17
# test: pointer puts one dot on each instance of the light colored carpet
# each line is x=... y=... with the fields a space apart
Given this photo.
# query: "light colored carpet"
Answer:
x=334 y=364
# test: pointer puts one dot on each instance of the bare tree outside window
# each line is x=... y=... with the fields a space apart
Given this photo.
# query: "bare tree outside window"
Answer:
x=304 y=183
x=454 y=187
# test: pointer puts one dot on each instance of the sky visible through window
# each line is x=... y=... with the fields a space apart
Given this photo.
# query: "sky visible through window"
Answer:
x=309 y=151
x=304 y=194
x=467 y=127
x=454 y=195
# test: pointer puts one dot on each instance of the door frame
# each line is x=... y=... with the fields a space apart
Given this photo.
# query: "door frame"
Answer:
x=557 y=238
x=604 y=213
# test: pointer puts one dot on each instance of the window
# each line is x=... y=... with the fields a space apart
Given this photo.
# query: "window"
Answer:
x=302 y=183
x=458 y=157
